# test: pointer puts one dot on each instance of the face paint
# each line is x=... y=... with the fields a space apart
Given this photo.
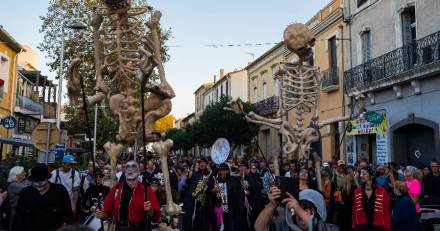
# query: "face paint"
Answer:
x=131 y=170
x=40 y=185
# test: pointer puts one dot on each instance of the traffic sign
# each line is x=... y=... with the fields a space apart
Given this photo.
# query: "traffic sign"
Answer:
x=45 y=134
x=9 y=122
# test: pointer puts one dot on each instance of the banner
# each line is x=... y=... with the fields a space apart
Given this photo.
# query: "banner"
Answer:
x=363 y=127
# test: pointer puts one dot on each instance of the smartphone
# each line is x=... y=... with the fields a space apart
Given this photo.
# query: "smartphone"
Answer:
x=288 y=184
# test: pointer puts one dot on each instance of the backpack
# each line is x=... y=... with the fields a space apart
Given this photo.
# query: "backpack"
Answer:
x=58 y=178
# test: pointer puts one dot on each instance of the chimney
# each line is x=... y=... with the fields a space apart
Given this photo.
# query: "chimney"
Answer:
x=222 y=73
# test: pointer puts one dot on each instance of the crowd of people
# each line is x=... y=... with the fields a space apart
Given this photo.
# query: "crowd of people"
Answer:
x=240 y=194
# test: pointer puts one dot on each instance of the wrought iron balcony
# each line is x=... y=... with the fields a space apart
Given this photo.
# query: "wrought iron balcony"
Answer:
x=267 y=106
x=330 y=80
x=29 y=104
x=398 y=65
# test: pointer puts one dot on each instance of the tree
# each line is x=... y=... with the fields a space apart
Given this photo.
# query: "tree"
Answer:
x=219 y=123
x=79 y=44
x=164 y=124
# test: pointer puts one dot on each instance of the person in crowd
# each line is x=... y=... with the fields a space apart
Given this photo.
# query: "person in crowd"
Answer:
x=404 y=215
x=87 y=177
x=129 y=203
x=381 y=177
x=327 y=190
x=252 y=189
x=401 y=171
x=67 y=176
x=344 y=182
x=149 y=172
x=285 y=169
x=432 y=182
x=306 y=213
x=293 y=170
x=93 y=197
x=268 y=178
x=228 y=192
x=17 y=182
x=43 y=205
x=106 y=179
x=414 y=186
x=197 y=202
x=304 y=179
x=371 y=206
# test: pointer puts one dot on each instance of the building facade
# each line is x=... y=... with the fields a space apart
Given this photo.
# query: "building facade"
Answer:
x=9 y=50
x=264 y=91
x=330 y=52
x=394 y=60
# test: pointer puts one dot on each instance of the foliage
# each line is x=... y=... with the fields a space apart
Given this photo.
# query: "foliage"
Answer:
x=215 y=123
x=106 y=127
x=164 y=124
x=79 y=44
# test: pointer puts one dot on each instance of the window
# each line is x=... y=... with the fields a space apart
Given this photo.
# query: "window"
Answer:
x=276 y=81
x=4 y=74
x=361 y=2
x=332 y=54
x=227 y=86
x=409 y=32
x=264 y=90
x=221 y=90
x=366 y=46
x=255 y=94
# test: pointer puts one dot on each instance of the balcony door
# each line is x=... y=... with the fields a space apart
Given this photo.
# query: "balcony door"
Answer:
x=332 y=55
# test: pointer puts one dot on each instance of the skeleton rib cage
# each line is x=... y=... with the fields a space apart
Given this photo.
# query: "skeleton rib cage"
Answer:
x=300 y=89
x=122 y=39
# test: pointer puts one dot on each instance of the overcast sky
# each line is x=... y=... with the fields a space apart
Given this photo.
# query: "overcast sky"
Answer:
x=195 y=25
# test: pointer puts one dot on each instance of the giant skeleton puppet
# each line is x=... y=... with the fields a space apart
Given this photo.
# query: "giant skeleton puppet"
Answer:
x=300 y=84
x=130 y=54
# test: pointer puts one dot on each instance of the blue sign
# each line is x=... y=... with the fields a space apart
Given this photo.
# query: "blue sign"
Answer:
x=9 y=122
x=60 y=149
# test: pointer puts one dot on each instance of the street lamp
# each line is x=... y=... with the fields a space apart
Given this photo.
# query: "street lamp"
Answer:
x=74 y=26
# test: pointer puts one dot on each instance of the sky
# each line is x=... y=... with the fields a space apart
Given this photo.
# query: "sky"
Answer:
x=195 y=24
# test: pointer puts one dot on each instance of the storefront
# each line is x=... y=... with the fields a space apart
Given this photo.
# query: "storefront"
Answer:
x=366 y=137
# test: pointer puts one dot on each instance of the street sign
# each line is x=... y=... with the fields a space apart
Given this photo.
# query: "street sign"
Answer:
x=220 y=151
x=9 y=122
x=42 y=132
x=60 y=149
x=374 y=117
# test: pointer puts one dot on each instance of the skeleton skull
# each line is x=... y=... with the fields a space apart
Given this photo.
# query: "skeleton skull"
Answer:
x=299 y=39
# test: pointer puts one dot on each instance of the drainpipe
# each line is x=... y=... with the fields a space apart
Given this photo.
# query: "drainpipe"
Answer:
x=341 y=30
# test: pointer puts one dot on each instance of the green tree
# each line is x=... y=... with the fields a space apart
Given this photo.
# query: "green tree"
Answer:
x=219 y=123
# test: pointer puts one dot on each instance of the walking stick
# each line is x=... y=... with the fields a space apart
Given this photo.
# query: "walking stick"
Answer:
x=89 y=134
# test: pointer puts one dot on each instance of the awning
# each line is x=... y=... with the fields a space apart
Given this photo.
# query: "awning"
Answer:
x=16 y=142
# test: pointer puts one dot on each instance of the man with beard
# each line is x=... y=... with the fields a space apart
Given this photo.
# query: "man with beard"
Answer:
x=197 y=202
x=252 y=189
x=230 y=195
x=43 y=205
x=129 y=203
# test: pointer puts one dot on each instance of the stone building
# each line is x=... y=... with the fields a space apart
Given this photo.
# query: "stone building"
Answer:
x=394 y=59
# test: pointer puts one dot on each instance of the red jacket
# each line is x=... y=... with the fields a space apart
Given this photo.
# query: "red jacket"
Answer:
x=382 y=212
x=136 y=213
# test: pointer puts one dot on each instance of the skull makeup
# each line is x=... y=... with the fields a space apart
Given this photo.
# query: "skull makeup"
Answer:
x=131 y=170
x=40 y=186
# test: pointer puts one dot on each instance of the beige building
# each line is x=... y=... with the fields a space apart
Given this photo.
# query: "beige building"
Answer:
x=331 y=57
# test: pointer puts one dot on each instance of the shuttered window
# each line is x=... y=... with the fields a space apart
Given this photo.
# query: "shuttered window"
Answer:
x=409 y=26
x=366 y=46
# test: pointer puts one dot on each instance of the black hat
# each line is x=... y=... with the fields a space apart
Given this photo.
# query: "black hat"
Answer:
x=223 y=167
x=203 y=159
x=39 y=173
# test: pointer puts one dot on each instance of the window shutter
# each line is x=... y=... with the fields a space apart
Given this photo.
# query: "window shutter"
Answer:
x=406 y=28
x=366 y=46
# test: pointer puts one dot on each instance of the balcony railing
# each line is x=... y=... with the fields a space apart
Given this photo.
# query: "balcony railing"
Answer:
x=29 y=104
x=267 y=106
x=330 y=79
x=390 y=66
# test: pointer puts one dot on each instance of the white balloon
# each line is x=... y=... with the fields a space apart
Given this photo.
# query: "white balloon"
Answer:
x=220 y=151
